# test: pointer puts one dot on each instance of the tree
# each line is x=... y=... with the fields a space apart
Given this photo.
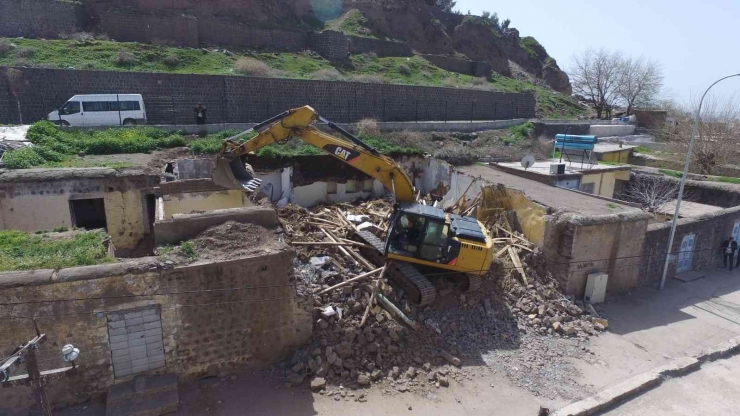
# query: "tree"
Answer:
x=640 y=82
x=505 y=24
x=492 y=18
x=716 y=141
x=446 y=5
x=596 y=76
x=649 y=191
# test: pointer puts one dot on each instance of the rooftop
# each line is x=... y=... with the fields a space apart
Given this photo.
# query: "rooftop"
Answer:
x=688 y=209
x=611 y=147
x=550 y=196
x=56 y=174
x=575 y=168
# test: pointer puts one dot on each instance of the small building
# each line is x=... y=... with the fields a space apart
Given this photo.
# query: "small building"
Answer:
x=120 y=201
x=612 y=152
x=601 y=180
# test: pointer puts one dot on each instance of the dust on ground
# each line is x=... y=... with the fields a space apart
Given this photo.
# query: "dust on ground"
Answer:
x=227 y=241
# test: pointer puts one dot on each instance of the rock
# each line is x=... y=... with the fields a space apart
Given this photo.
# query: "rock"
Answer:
x=557 y=327
x=344 y=350
x=395 y=372
x=357 y=308
x=393 y=349
x=344 y=374
x=323 y=369
x=427 y=367
x=376 y=374
x=569 y=329
x=402 y=388
x=319 y=383
x=295 y=379
x=542 y=310
x=599 y=327
x=349 y=364
x=451 y=359
x=443 y=381
x=331 y=359
x=298 y=367
x=603 y=322
x=363 y=380
x=322 y=324
x=339 y=363
x=411 y=372
x=380 y=318
x=370 y=337
x=316 y=352
x=394 y=336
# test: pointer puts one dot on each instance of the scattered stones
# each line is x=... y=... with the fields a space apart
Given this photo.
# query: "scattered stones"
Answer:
x=443 y=381
x=319 y=383
x=451 y=359
x=363 y=380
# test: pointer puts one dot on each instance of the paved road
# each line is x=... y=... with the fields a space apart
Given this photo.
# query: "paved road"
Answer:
x=712 y=390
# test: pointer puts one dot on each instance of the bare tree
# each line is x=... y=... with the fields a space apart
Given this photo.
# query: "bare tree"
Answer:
x=640 y=82
x=717 y=140
x=651 y=192
x=596 y=76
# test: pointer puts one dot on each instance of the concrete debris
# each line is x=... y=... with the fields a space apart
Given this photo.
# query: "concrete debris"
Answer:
x=319 y=383
x=515 y=325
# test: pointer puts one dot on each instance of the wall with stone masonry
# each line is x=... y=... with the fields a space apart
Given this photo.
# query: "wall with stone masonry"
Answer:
x=40 y=19
x=169 y=98
x=202 y=333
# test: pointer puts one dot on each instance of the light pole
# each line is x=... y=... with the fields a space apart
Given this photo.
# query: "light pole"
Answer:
x=694 y=132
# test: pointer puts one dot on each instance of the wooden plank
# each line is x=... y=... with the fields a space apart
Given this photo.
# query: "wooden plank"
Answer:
x=352 y=280
x=517 y=263
x=500 y=252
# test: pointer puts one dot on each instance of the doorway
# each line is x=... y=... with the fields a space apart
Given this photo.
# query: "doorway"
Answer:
x=88 y=213
x=686 y=255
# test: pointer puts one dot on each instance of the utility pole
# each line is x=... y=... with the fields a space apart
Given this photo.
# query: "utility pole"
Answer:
x=27 y=353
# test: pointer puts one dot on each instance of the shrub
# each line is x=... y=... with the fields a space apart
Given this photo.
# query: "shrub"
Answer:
x=171 y=61
x=23 y=158
x=457 y=155
x=404 y=69
x=188 y=249
x=330 y=74
x=125 y=58
x=60 y=229
x=5 y=47
x=23 y=251
x=25 y=52
x=479 y=81
x=252 y=66
x=368 y=127
x=522 y=131
x=207 y=145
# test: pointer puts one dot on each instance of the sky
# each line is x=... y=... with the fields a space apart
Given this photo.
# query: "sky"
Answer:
x=696 y=42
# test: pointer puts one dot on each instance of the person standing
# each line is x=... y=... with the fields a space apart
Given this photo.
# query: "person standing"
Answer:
x=728 y=248
x=200 y=114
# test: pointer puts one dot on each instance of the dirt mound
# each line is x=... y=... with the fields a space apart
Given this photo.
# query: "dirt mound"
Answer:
x=230 y=240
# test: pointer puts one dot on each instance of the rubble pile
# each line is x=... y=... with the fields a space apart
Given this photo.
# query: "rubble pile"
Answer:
x=357 y=343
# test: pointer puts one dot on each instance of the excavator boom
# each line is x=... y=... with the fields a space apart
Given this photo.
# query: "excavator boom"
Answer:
x=299 y=123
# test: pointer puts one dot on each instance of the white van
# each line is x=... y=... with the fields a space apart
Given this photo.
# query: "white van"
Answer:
x=101 y=110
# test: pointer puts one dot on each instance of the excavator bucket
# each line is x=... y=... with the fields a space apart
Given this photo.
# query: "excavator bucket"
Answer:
x=234 y=174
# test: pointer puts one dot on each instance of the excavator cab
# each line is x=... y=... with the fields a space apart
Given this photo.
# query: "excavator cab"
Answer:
x=421 y=232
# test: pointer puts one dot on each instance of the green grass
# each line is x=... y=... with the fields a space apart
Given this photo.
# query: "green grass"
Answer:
x=529 y=44
x=612 y=206
x=104 y=55
x=56 y=147
x=519 y=133
x=188 y=249
x=671 y=173
x=22 y=251
x=604 y=162
x=725 y=179
x=642 y=149
x=352 y=23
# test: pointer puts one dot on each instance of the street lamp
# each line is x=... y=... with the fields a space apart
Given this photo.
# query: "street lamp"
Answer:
x=694 y=132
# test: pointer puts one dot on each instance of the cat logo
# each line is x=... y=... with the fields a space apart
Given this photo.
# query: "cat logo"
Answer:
x=345 y=154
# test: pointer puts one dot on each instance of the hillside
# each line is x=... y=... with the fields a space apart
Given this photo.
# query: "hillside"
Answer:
x=91 y=54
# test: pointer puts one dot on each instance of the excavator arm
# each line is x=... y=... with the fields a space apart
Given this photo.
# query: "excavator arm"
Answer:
x=299 y=123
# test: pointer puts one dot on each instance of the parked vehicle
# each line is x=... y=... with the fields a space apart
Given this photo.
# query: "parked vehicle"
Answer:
x=101 y=110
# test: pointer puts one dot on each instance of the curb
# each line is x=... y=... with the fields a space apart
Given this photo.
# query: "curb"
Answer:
x=640 y=383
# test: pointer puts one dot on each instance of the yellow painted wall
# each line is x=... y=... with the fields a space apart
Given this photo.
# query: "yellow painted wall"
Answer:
x=124 y=214
x=604 y=182
x=184 y=203
x=531 y=215
x=616 y=157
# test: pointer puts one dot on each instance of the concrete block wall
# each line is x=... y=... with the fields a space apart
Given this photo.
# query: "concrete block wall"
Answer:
x=461 y=66
x=169 y=98
x=612 y=130
x=204 y=333
x=332 y=45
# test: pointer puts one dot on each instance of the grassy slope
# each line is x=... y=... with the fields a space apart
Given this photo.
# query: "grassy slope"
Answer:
x=103 y=55
x=22 y=251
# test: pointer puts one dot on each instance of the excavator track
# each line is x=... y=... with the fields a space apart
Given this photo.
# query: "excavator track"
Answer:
x=417 y=287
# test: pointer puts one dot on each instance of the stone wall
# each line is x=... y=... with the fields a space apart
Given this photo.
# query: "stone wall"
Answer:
x=449 y=20
x=709 y=230
x=332 y=45
x=40 y=19
x=169 y=98
x=202 y=333
x=461 y=66
x=145 y=28
x=358 y=44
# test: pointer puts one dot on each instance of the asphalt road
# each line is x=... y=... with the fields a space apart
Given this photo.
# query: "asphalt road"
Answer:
x=712 y=390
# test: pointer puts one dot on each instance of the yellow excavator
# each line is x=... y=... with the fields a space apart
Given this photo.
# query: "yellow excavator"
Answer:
x=419 y=235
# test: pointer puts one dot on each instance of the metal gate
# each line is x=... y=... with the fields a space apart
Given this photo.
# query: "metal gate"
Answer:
x=686 y=255
x=135 y=338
